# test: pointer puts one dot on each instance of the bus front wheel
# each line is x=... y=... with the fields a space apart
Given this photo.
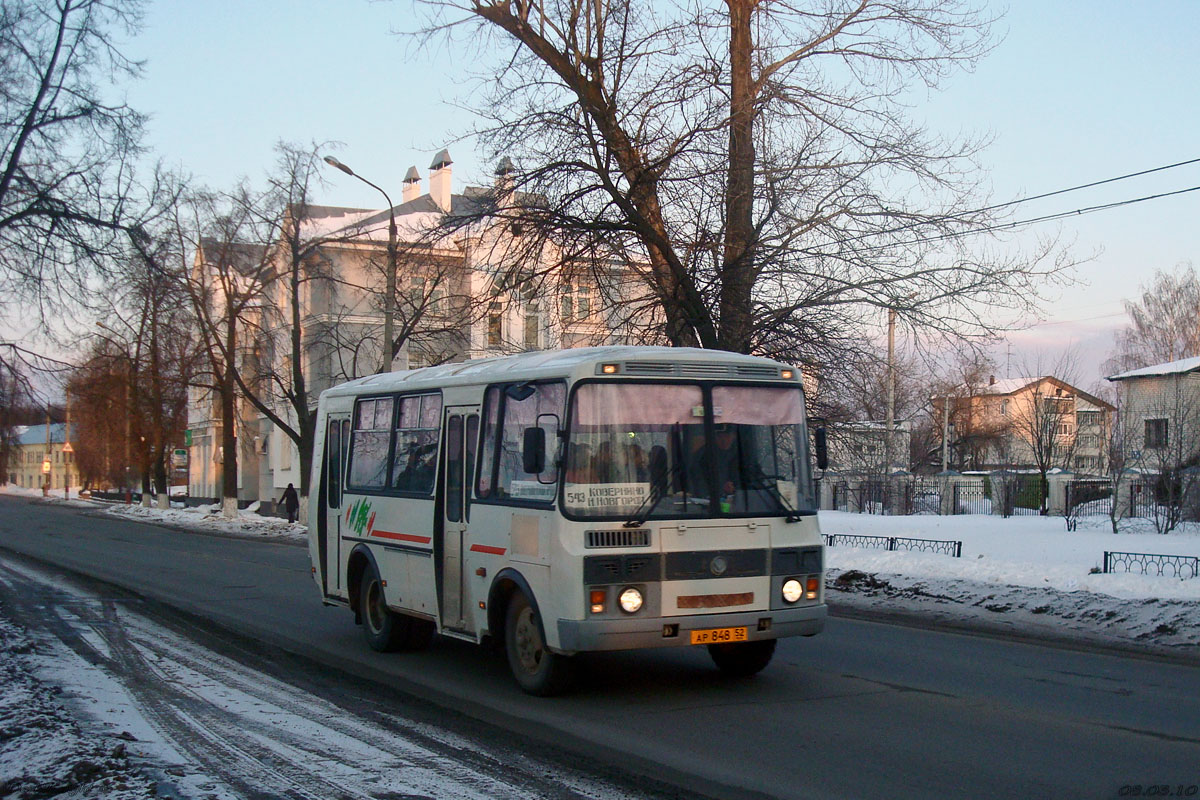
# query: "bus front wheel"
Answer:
x=386 y=631
x=742 y=659
x=537 y=670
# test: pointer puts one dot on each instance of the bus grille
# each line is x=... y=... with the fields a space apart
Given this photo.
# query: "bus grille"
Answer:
x=649 y=368
x=756 y=371
x=619 y=538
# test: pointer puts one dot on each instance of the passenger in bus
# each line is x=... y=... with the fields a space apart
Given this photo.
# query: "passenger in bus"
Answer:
x=579 y=464
x=726 y=464
x=603 y=464
x=417 y=475
x=636 y=459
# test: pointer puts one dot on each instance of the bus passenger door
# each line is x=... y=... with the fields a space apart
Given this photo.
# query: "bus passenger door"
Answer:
x=337 y=442
x=458 y=462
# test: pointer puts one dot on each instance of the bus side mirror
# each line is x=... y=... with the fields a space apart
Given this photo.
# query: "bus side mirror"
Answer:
x=821 y=445
x=533 y=451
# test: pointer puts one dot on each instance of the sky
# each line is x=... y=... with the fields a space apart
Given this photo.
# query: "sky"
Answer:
x=1073 y=93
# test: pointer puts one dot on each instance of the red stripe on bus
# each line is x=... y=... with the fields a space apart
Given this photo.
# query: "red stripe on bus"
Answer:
x=484 y=548
x=403 y=537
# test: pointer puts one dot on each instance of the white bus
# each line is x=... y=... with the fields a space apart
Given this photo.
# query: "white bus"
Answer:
x=561 y=502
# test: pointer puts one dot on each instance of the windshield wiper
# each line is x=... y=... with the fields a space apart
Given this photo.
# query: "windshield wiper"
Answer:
x=638 y=519
x=658 y=487
x=768 y=486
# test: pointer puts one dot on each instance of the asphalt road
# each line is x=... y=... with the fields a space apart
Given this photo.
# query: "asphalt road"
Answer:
x=863 y=710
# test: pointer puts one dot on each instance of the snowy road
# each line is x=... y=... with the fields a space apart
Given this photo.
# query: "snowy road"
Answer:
x=205 y=725
x=864 y=710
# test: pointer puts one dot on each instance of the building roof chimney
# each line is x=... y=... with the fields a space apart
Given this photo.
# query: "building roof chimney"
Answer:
x=504 y=180
x=991 y=380
x=439 y=180
x=412 y=185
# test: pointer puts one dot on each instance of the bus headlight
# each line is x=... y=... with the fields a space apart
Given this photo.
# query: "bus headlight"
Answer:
x=630 y=600
x=792 y=590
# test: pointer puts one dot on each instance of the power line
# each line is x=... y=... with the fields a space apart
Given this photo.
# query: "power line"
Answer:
x=1006 y=225
x=1088 y=185
x=1042 y=196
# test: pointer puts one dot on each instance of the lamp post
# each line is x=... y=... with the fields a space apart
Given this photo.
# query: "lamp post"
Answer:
x=389 y=300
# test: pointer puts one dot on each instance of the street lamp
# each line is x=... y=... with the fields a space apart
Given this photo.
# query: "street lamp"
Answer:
x=389 y=300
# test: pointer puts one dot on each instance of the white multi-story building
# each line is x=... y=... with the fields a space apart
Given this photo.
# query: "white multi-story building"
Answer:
x=1160 y=415
x=483 y=289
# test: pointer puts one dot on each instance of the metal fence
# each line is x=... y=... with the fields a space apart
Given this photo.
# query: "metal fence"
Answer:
x=1012 y=493
x=925 y=496
x=943 y=546
x=1152 y=564
x=1089 y=498
x=972 y=498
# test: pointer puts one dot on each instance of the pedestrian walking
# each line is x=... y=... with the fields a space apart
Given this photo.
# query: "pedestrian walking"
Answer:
x=291 y=502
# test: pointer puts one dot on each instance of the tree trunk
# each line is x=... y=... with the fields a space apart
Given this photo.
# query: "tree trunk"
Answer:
x=737 y=269
x=229 y=459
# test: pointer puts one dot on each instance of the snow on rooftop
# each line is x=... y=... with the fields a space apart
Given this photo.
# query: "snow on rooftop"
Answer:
x=1009 y=385
x=1180 y=367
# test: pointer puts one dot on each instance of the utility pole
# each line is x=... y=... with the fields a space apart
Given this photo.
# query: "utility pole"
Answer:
x=47 y=464
x=945 y=433
x=891 y=393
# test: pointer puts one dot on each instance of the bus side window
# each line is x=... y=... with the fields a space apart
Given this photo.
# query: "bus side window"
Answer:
x=487 y=445
x=545 y=405
x=333 y=452
x=469 y=463
x=369 y=444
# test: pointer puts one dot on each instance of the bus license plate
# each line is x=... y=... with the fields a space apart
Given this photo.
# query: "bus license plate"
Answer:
x=718 y=635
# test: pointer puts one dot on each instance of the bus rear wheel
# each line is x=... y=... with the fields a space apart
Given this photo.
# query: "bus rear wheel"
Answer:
x=742 y=659
x=385 y=630
x=537 y=670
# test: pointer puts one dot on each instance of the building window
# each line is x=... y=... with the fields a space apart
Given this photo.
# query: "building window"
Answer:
x=494 y=330
x=568 y=308
x=531 y=331
x=1156 y=433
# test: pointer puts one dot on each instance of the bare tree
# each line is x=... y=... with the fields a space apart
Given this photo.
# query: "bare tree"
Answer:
x=14 y=395
x=1162 y=322
x=969 y=438
x=65 y=147
x=146 y=354
x=1043 y=420
x=753 y=165
x=1117 y=466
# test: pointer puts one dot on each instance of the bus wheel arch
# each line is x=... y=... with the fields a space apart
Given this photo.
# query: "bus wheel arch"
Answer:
x=360 y=560
x=537 y=669
x=507 y=581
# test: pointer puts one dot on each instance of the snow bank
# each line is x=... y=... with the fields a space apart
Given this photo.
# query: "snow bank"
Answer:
x=1024 y=573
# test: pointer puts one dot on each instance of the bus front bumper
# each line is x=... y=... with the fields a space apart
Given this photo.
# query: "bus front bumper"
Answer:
x=634 y=633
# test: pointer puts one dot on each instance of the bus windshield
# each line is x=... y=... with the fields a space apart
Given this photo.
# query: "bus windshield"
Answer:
x=653 y=450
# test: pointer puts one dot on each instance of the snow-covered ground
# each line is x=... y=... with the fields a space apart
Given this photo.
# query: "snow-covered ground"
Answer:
x=201 y=518
x=1025 y=574
x=97 y=700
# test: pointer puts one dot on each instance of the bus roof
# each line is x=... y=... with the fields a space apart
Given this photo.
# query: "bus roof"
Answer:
x=650 y=362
